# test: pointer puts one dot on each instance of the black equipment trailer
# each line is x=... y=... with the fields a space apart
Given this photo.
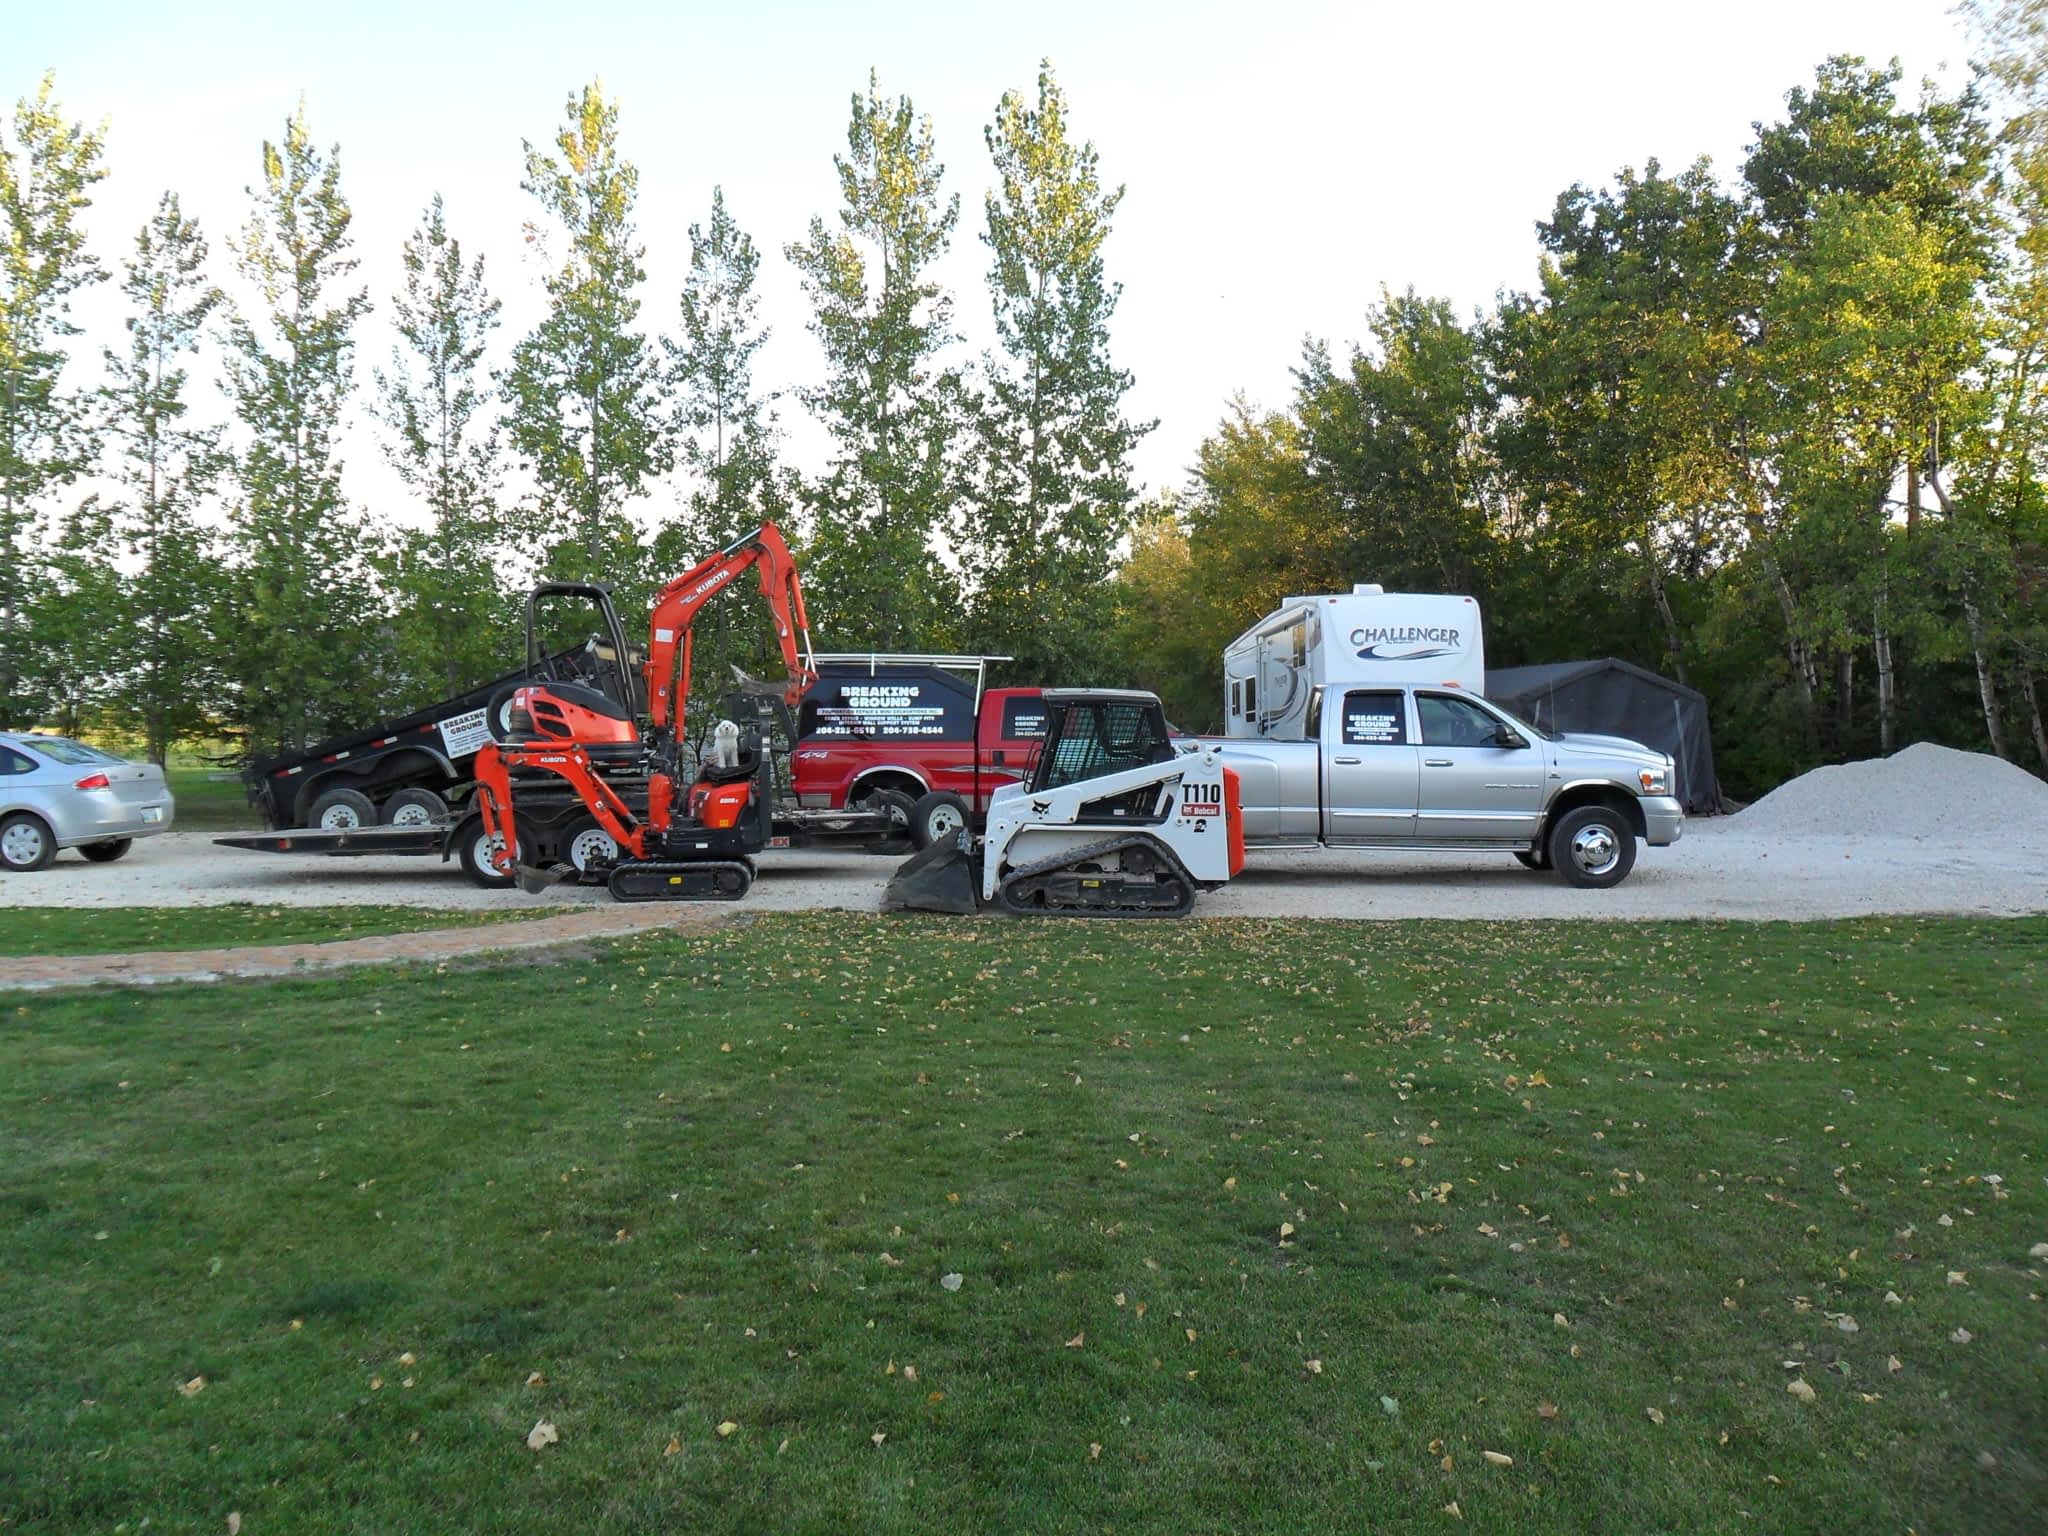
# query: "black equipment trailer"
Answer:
x=411 y=771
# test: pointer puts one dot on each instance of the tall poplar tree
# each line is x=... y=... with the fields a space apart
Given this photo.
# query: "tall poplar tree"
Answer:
x=726 y=438
x=166 y=467
x=585 y=387
x=454 y=606
x=1054 y=494
x=47 y=170
x=894 y=409
x=303 y=650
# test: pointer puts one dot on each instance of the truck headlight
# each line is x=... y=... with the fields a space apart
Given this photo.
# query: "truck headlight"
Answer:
x=1655 y=781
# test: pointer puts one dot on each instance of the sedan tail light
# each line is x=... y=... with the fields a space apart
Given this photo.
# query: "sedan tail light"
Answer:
x=94 y=781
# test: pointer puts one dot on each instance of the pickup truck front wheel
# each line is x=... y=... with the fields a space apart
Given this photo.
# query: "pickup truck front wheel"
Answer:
x=1593 y=847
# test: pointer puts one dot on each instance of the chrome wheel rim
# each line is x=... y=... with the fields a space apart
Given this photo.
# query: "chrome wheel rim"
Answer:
x=22 y=843
x=1596 y=850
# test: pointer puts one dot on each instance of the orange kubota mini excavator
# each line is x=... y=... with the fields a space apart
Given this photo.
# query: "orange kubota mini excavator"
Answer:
x=694 y=843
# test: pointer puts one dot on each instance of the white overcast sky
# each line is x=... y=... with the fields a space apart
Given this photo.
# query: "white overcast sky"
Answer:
x=1284 y=162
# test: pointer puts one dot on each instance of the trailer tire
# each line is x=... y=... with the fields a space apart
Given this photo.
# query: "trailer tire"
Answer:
x=26 y=843
x=937 y=817
x=106 y=853
x=472 y=851
x=342 y=810
x=414 y=808
x=585 y=846
x=1593 y=847
x=897 y=806
x=498 y=713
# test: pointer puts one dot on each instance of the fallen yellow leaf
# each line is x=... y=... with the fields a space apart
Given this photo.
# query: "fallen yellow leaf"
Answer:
x=726 y=1428
x=542 y=1434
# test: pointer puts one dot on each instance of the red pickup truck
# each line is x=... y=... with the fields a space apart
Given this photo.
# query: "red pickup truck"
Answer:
x=919 y=727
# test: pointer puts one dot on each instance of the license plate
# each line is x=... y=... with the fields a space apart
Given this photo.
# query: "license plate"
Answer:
x=152 y=813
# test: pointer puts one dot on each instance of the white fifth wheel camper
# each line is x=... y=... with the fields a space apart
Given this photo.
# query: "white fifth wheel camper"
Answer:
x=1366 y=635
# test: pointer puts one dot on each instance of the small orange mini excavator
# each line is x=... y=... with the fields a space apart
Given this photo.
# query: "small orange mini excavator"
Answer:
x=692 y=846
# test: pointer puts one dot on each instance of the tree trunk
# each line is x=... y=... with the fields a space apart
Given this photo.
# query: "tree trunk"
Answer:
x=1804 y=676
x=1672 y=649
x=2034 y=717
x=1887 y=689
x=1987 y=686
x=1845 y=694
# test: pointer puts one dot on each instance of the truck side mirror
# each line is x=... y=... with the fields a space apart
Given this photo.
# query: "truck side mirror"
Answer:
x=1508 y=736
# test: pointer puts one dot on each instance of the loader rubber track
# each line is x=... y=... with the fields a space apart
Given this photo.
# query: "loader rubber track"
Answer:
x=1033 y=890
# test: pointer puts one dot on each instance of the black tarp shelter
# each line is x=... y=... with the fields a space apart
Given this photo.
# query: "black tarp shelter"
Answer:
x=1609 y=697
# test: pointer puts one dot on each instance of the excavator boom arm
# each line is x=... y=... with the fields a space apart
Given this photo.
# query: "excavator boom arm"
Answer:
x=676 y=606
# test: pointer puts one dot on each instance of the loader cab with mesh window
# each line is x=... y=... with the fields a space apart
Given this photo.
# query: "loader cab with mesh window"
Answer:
x=1092 y=732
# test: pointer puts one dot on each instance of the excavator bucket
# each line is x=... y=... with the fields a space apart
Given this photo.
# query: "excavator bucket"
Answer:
x=534 y=881
x=944 y=877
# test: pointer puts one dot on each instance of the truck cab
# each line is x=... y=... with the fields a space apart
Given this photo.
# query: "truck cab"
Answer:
x=912 y=726
x=1397 y=765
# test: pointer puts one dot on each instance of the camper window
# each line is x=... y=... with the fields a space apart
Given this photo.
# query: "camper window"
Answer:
x=1236 y=699
x=1251 y=698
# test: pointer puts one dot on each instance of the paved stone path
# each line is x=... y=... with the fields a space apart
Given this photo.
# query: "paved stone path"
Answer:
x=159 y=967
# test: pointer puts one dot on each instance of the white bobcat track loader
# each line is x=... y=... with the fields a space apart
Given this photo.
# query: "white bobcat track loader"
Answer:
x=1113 y=822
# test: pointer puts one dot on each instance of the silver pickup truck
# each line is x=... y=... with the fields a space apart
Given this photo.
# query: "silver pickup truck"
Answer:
x=1430 y=768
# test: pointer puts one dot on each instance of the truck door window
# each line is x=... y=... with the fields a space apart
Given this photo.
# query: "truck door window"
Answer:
x=1375 y=719
x=1449 y=722
x=1313 y=727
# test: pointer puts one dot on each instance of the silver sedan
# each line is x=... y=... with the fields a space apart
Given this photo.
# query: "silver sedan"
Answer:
x=59 y=793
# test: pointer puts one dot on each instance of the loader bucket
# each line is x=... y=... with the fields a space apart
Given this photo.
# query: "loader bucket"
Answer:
x=942 y=878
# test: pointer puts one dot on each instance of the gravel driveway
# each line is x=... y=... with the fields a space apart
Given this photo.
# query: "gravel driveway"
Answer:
x=1717 y=871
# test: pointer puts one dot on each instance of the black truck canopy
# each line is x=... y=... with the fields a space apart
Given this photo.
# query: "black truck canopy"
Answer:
x=1610 y=697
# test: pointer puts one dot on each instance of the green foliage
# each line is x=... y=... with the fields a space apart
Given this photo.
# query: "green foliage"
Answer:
x=301 y=651
x=585 y=388
x=727 y=439
x=165 y=674
x=1054 y=494
x=895 y=411
x=456 y=624
x=48 y=167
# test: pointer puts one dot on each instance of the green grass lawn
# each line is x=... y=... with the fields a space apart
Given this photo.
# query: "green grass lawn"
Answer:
x=112 y=930
x=1259 y=1227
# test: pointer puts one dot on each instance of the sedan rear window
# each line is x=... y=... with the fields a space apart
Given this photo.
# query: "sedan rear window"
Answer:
x=62 y=749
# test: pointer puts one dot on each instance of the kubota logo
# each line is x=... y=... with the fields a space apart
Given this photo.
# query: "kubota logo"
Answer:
x=1409 y=643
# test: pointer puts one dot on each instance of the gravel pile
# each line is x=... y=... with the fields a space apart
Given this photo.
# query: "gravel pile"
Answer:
x=1922 y=792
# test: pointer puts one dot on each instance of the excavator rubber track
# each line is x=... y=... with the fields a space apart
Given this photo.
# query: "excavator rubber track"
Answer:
x=1067 y=886
x=681 y=879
